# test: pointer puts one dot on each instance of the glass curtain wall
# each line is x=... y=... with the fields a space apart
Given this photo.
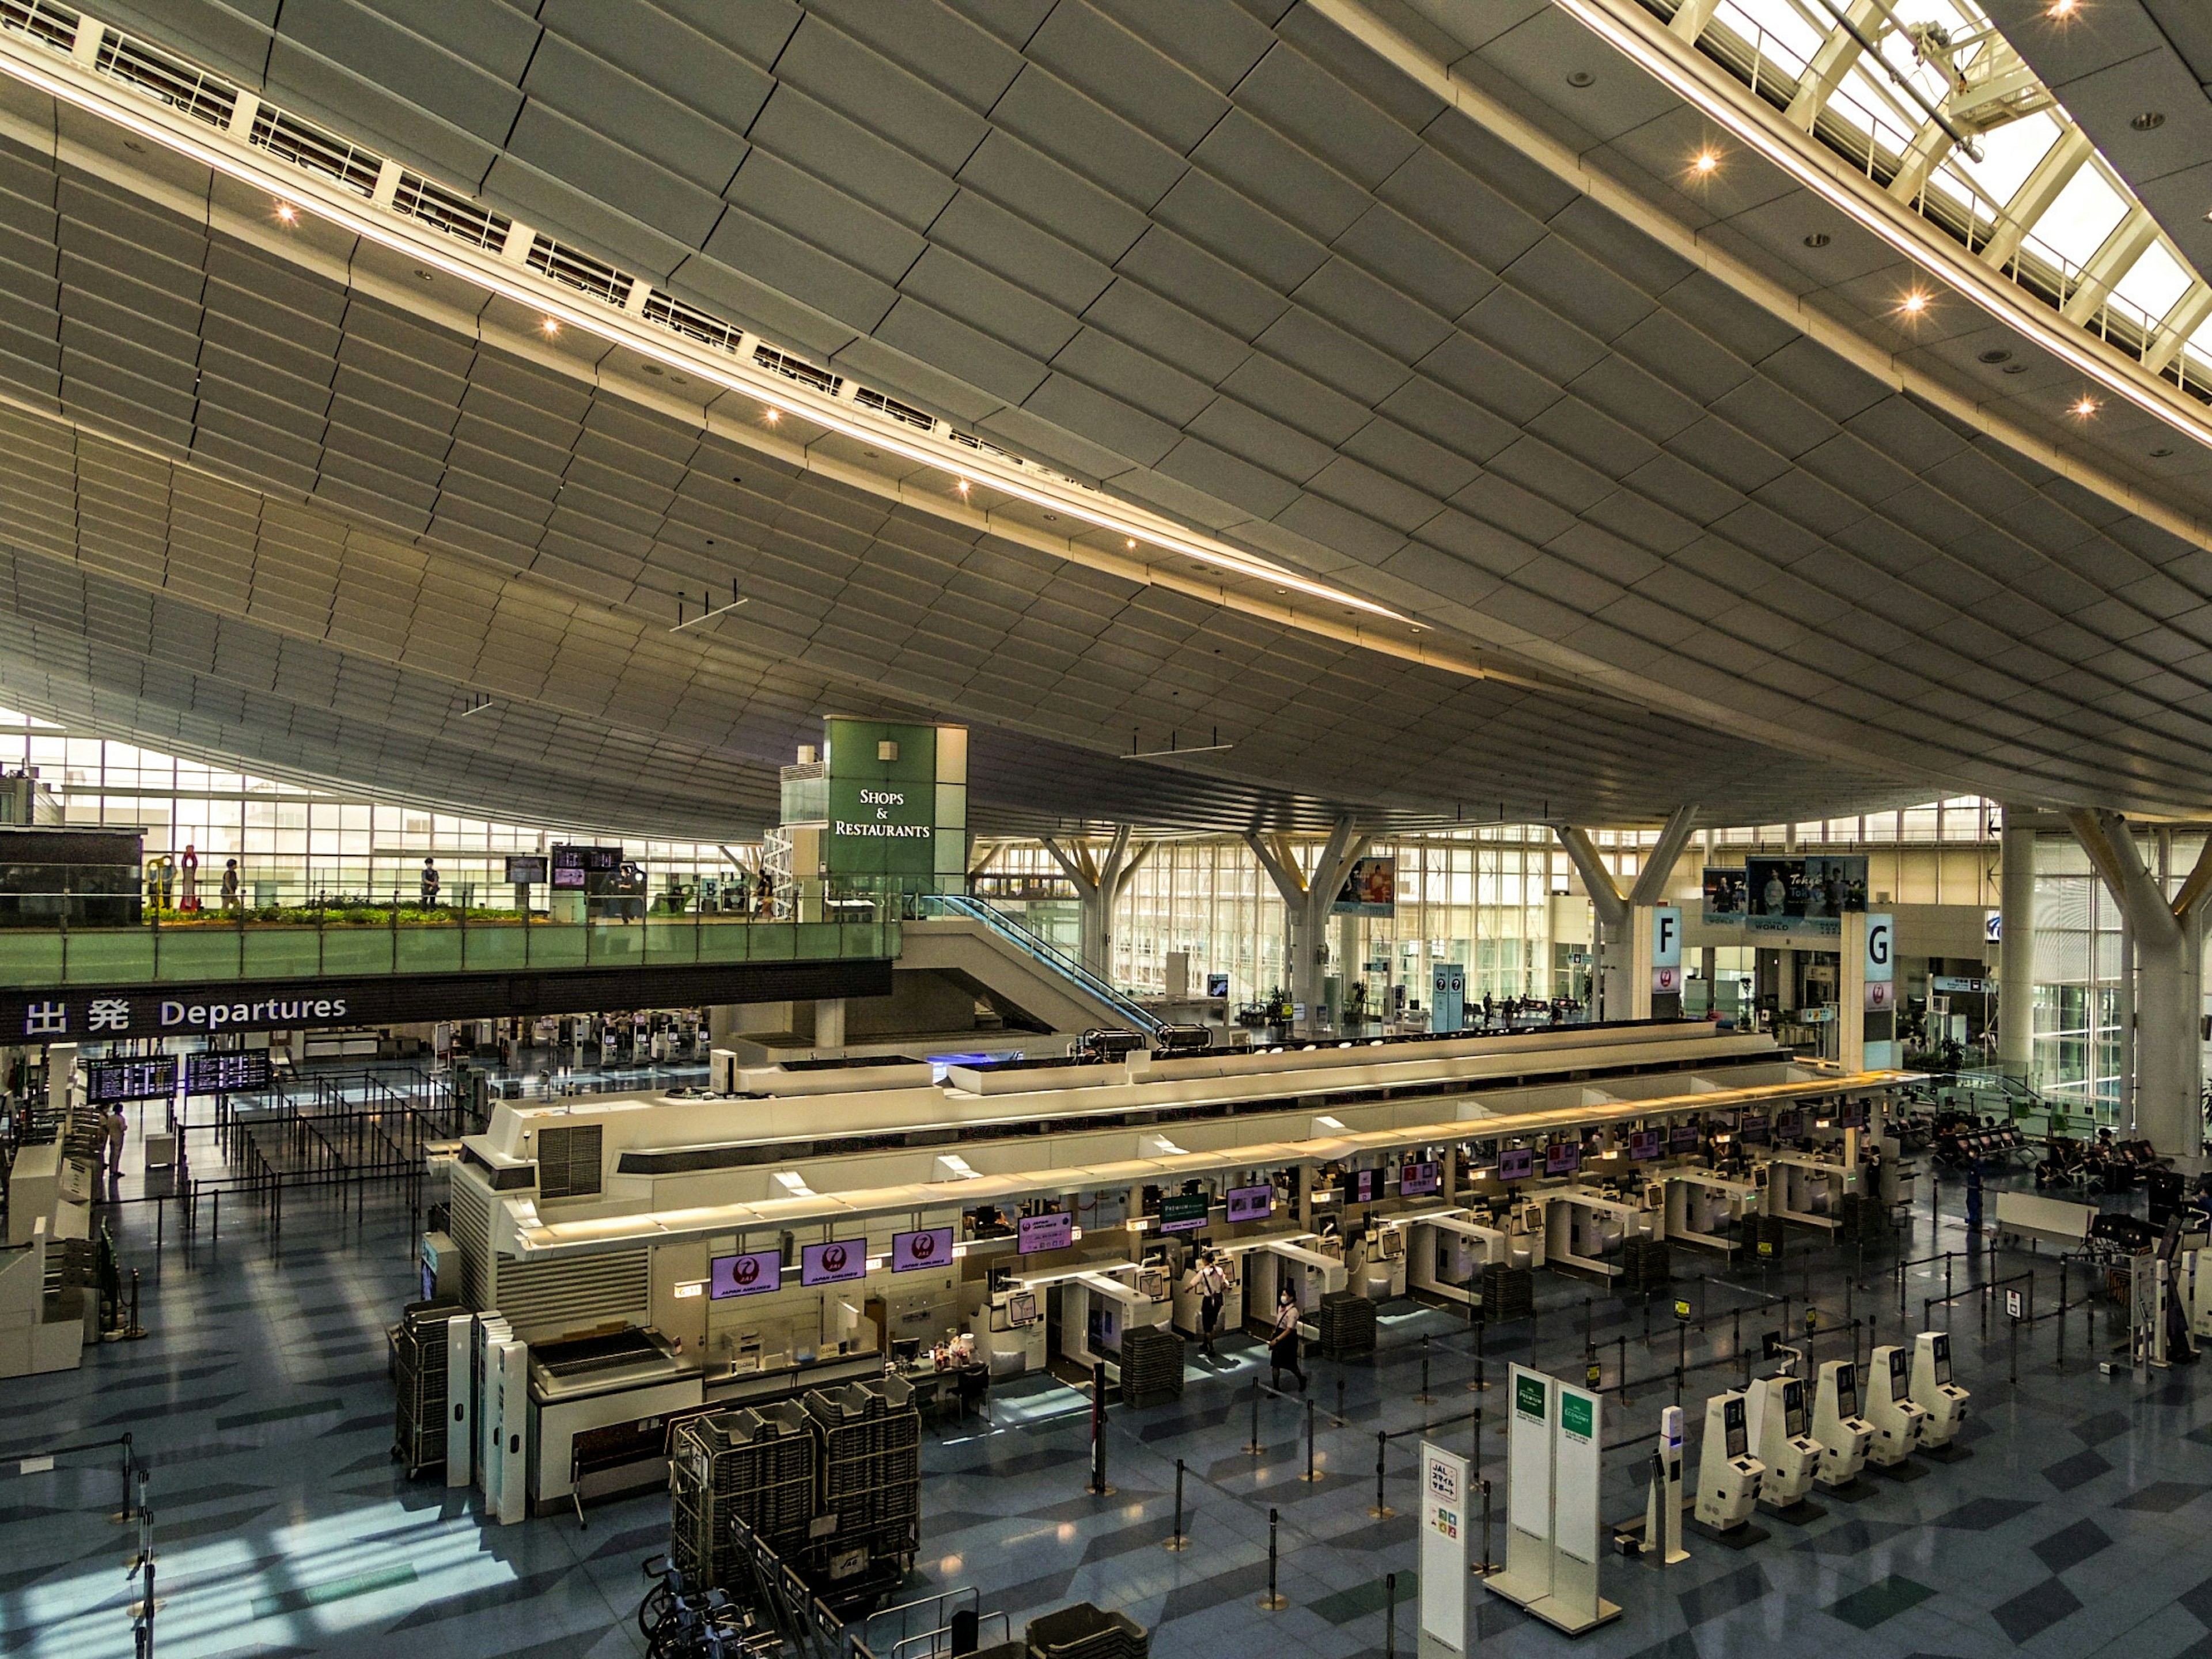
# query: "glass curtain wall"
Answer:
x=292 y=841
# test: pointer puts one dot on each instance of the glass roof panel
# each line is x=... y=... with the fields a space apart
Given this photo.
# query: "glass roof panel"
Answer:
x=1781 y=22
x=2077 y=223
x=2157 y=280
x=2009 y=153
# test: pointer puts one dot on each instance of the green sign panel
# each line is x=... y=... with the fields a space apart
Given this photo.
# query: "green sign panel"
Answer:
x=1577 y=1414
x=1181 y=1210
x=882 y=797
x=1531 y=1398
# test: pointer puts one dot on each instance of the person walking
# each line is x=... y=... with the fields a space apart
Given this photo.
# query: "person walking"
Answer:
x=230 y=885
x=116 y=1130
x=1283 y=1343
x=1212 y=1287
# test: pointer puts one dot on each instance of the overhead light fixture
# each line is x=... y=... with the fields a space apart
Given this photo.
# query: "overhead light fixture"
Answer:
x=1705 y=163
x=1914 y=303
x=549 y=326
x=2085 y=407
x=2150 y=121
x=960 y=485
x=2160 y=453
x=1996 y=354
x=771 y=415
x=1581 y=78
x=287 y=214
x=1817 y=238
x=2062 y=8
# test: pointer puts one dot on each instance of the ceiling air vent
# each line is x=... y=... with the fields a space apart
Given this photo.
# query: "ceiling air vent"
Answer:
x=981 y=447
x=795 y=368
x=50 y=26
x=172 y=80
x=450 y=211
x=892 y=409
x=307 y=146
x=690 y=322
x=580 y=271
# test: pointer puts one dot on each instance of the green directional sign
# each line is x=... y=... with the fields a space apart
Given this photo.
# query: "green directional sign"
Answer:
x=1530 y=1397
x=1576 y=1415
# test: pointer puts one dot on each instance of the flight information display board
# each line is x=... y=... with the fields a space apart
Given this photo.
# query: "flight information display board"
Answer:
x=226 y=1074
x=108 y=1081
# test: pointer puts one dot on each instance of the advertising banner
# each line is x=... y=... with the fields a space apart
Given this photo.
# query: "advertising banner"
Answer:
x=1802 y=895
x=1447 y=996
x=1445 y=1534
x=1575 y=1475
x=1725 y=898
x=1371 y=889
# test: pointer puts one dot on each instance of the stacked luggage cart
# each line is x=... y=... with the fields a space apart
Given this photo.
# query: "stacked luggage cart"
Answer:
x=1346 y=1322
x=1151 y=1367
x=418 y=1384
x=829 y=1485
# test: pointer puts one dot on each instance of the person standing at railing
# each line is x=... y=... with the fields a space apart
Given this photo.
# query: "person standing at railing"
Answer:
x=431 y=882
x=230 y=885
x=189 y=865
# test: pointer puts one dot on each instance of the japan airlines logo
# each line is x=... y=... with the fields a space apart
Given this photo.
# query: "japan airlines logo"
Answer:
x=923 y=1246
x=833 y=1258
x=748 y=1270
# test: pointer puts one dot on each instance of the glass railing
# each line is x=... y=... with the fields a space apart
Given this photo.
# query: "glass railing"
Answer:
x=1133 y=1014
x=143 y=933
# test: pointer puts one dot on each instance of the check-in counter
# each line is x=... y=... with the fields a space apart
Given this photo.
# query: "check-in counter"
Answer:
x=1807 y=1190
x=1703 y=1207
x=1446 y=1253
x=1097 y=1308
x=1585 y=1230
x=1309 y=1273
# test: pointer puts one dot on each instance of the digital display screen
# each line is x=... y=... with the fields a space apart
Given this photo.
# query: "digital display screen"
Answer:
x=1183 y=1212
x=1789 y=1125
x=225 y=1074
x=1563 y=1157
x=1056 y=1231
x=1363 y=1186
x=1756 y=1132
x=833 y=1263
x=1854 y=1114
x=1021 y=1309
x=1516 y=1163
x=1251 y=1203
x=930 y=1248
x=525 y=866
x=572 y=864
x=745 y=1275
x=1643 y=1143
x=1417 y=1179
x=108 y=1081
x=1687 y=1136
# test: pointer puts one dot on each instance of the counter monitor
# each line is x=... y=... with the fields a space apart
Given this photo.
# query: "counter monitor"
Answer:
x=1517 y=1163
x=1183 y=1212
x=1563 y=1157
x=930 y=1248
x=1021 y=1309
x=1643 y=1143
x=1363 y=1186
x=1789 y=1126
x=1053 y=1231
x=745 y=1275
x=1756 y=1131
x=833 y=1263
x=1687 y=1136
x=1251 y=1203
x=1417 y=1180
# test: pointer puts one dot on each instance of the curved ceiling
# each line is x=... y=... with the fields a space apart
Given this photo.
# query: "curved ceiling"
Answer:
x=1426 y=321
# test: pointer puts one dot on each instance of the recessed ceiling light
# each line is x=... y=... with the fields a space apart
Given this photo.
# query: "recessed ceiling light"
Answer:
x=287 y=214
x=2015 y=369
x=1705 y=163
x=2150 y=121
x=1052 y=517
x=549 y=326
x=134 y=146
x=2085 y=407
x=421 y=275
x=1996 y=354
x=1817 y=238
x=2160 y=453
x=771 y=416
x=653 y=368
x=1581 y=78
x=1131 y=543
x=1914 y=303
x=2061 y=8
x=961 y=484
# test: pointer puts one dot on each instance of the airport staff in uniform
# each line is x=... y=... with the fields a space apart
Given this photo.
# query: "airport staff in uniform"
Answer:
x=1211 y=1285
x=1283 y=1343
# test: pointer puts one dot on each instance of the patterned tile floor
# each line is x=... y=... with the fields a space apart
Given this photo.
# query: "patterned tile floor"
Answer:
x=2077 y=1527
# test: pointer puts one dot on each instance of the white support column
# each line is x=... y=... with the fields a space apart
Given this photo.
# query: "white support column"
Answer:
x=1306 y=901
x=1623 y=979
x=1100 y=880
x=2169 y=938
x=828 y=1027
x=2016 y=943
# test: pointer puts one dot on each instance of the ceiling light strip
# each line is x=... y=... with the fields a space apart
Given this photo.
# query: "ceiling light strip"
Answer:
x=532 y=284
